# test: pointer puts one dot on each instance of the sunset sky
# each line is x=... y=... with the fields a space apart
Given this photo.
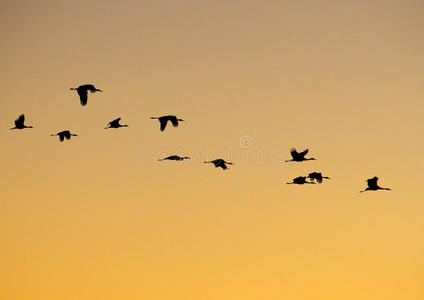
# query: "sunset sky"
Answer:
x=98 y=217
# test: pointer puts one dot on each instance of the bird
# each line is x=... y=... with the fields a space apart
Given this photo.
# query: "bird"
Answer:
x=174 y=157
x=83 y=92
x=299 y=156
x=373 y=186
x=219 y=163
x=19 y=123
x=300 y=180
x=164 y=121
x=115 y=124
x=317 y=176
x=64 y=134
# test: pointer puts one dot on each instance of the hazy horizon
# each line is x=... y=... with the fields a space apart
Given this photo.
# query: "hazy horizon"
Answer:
x=99 y=217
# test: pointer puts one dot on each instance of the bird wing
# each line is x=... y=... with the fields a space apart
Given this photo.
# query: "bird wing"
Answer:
x=293 y=152
x=372 y=182
x=115 y=122
x=61 y=137
x=303 y=153
x=298 y=179
x=174 y=121
x=83 y=94
x=68 y=135
x=91 y=88
x=20 y=120
x=222 y=165
x=163 y=123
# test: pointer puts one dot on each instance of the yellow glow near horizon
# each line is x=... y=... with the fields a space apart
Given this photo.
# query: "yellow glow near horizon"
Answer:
x=98 y=217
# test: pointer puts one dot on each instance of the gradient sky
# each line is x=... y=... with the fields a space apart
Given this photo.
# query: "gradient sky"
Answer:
x=98 y=217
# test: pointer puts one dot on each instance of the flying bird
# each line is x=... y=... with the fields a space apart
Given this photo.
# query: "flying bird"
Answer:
x=299 y=156
x=164 y=121
x=19 y=123
x=115 y=124
x=317 y=176
x=219 y=163
x=300 y=180
x=83 y=92
x=64 y=134
x=174 y=157
x=373 y=186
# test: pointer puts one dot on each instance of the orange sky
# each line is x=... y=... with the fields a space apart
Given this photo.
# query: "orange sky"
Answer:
x=98 y=217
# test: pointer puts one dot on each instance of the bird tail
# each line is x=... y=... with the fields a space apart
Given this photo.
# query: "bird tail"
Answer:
x=387 y=189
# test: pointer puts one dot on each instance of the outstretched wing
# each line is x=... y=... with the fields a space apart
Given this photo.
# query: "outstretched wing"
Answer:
x=20 y=121
x=372 y=182
x=61 y=137
x=174 y=121
x=303 y=153
x=114 y=122
x=222 y=165
x=293 y=152
x=83 y=96
x=163 y=123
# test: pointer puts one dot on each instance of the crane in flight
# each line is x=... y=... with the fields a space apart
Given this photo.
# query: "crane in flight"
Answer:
x=373 y=186
x=64 y=134
x=19 y=123
x=219 y=163
x=300 y=180
x=299 y=156
x=115 y=124
x=164 y=121
x=317 y=176
x=83 y=92
x=174 y=157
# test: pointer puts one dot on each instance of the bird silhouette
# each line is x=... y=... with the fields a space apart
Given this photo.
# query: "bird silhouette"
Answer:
x=115 y=124
x=64 y=134
x=19 y=123
x=317 y=176
x=299 y=156
x=300 y=180
x=219 y=163
x=164 y=121
x=373 y=186
x=83 y=92
x=174 y=157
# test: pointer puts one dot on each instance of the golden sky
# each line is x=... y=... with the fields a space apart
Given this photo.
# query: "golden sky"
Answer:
x=98 y=217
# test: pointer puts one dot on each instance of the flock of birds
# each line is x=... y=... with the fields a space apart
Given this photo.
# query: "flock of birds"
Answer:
x=372 y=183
